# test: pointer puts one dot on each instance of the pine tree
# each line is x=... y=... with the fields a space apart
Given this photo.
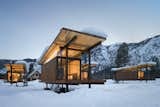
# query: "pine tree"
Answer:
x=122 y=55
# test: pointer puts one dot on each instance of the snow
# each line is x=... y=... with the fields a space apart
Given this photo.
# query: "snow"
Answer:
x=94 y=31
x=145 y=51
x=152 y=63
x=120 y=68
x=36 y=68
x=3 y=71
x=138 y=53
x=124 y=94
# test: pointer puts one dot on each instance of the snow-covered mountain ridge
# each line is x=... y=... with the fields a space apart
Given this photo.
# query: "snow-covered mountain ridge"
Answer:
x=122 y=54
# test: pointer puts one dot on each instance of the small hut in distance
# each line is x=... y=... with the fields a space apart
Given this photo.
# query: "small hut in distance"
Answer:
x=22 y=71
x=15 y=72
x=137 y=72
x=62 y=64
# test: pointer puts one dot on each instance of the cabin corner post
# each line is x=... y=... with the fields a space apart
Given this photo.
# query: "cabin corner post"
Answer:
x=60 y=58
x=11 y=77
x=25 y=83
x=67 y=88
x=89 y=67
x=80 y=69
x=148 y=73
x=57 y=67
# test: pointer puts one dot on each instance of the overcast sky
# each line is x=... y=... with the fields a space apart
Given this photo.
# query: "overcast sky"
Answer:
x=28 y=26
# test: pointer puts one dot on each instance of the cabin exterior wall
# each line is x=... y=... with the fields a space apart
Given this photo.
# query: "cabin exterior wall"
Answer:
x=132 y=75
x=49 y=71
x=125 y=75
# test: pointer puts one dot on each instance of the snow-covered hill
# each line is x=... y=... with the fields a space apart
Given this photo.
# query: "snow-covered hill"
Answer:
x=122 y=54
x=145 y=51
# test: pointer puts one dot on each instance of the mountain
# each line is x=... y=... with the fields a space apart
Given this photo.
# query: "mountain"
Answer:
x=124 y=54
x=145 y=51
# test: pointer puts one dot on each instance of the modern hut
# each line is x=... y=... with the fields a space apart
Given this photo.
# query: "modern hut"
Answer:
x=62 y=62
x=138 y=72
x=15 y=72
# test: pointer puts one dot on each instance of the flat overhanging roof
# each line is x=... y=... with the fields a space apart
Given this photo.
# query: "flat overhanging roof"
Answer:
x=15 y=67
x=132 y=68
x=79 y=42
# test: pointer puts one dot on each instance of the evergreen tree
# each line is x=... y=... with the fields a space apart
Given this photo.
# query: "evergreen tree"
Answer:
x=122 y=55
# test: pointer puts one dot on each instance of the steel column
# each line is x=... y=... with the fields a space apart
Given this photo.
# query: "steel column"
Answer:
x=67 y=89
x=89 y=67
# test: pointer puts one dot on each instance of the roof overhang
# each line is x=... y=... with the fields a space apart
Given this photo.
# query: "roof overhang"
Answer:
x=76 y=42
x=15 y=67
x=132 y=68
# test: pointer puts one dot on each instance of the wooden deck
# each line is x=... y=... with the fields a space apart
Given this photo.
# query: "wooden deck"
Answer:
x=76 y=82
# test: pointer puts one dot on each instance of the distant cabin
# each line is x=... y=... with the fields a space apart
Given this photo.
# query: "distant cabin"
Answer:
x=15 y=72
x=138 y=72
x=35 y=75
x=21 y=71
x=62 y=61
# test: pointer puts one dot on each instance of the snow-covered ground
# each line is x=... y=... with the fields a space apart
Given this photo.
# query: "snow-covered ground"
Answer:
x=124 y=94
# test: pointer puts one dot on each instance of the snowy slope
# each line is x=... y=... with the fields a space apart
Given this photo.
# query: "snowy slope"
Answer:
x=105 y=56
x=142 y=52
x=126 y=94
x=145 y=51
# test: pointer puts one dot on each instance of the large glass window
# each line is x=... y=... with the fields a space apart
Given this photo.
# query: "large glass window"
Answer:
x=73 y=68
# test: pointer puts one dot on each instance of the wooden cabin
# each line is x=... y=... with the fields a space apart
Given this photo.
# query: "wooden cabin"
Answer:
x=62 y=62
x=15 y=72
x=138 y=72
x=35 y=75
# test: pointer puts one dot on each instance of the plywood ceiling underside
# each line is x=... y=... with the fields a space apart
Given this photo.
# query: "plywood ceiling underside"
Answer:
x=82 y=42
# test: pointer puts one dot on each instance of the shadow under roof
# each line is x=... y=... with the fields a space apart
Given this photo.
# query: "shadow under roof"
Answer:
x=82 y=42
